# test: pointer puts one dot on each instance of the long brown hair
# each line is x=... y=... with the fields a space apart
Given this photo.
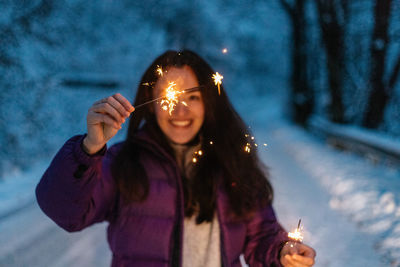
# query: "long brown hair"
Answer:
x=225 y=161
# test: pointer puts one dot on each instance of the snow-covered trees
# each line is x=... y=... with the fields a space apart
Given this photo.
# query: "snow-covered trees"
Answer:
x=302 y=95
x=352 y=59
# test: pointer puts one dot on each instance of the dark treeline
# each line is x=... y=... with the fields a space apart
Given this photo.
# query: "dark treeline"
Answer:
x=346 y=61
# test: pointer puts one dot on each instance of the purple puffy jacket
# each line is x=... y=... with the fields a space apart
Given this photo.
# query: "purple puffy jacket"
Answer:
x=77 y=191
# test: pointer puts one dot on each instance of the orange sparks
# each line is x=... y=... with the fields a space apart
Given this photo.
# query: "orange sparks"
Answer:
x=225 y=50
x=159 y=70
x=218 y=81
x=251 y=142
x=197 y=153
x=247 y=148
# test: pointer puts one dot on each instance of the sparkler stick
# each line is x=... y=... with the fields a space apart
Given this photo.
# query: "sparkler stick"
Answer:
x=161 y=97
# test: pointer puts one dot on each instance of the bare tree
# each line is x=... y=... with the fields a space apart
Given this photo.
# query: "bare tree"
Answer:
x=302 y=96
x=381 y=90
x=331 y=17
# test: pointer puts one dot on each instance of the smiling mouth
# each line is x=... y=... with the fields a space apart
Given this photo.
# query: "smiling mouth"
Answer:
x=184 y=123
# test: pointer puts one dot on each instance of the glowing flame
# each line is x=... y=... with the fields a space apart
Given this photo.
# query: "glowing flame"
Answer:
x=218 y=81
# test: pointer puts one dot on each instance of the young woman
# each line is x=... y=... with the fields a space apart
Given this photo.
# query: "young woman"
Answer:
x=180 y=190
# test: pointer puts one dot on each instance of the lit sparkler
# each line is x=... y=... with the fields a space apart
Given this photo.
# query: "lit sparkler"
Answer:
x=165 y=97
x=218 y=81
x=296 y=236
x=171 y=98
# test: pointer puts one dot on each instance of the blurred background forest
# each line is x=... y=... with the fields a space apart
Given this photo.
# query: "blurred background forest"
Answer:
x=334 y=59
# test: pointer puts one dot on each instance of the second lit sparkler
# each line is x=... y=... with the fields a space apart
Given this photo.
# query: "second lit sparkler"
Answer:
x=218 y=81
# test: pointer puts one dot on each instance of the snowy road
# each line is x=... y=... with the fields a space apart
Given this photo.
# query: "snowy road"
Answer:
x=29 y=238
x=337 y=241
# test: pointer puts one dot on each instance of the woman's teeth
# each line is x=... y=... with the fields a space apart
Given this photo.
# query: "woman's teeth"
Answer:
x=181 y=123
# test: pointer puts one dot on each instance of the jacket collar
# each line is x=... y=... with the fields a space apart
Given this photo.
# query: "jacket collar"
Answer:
x=145 y=138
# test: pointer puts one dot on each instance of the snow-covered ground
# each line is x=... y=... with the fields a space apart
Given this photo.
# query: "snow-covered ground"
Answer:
x=349 y=207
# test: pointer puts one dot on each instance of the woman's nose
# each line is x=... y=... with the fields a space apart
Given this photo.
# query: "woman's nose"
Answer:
x=180 y=108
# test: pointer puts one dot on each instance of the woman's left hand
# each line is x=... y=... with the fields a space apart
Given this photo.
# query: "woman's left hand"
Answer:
x=297 y=255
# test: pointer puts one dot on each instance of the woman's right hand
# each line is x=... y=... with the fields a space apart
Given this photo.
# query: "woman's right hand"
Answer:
x=104 y=120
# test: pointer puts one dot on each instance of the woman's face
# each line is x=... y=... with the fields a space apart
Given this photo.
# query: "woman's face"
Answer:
x=185 y=121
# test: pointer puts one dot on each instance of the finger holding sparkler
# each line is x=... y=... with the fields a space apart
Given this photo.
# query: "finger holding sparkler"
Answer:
x=299 y=255
x=104 y=119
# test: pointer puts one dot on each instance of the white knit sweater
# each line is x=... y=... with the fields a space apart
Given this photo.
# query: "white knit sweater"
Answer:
x=201 y=242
